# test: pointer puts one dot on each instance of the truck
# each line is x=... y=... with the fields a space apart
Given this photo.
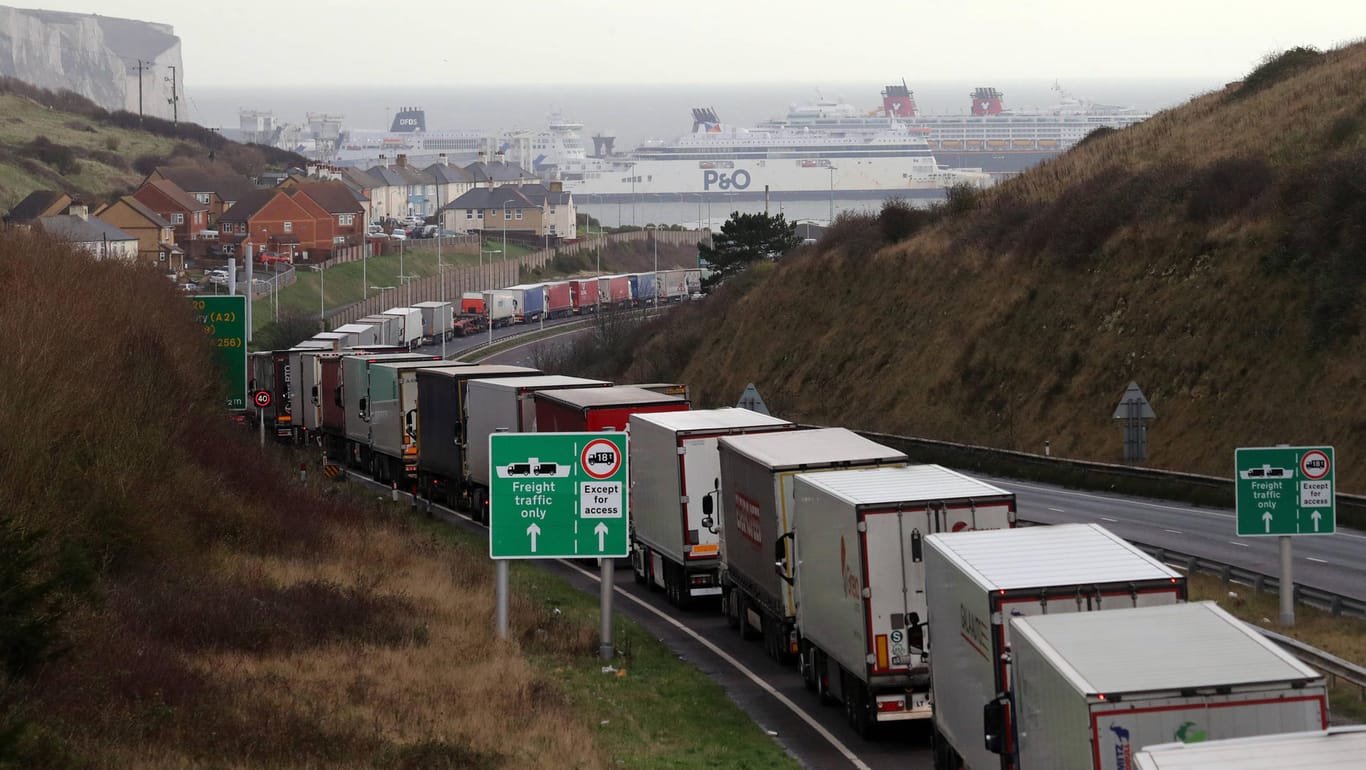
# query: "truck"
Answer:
x=585 y=294
x=559 y=299
x=442 y=465
x=614 y=291
x=335 y=340
x=331 y=393
x=756 y=490
x=643 y=288
x=388 y=329
x=504 y=404
x=410 y=332
x=298 y=403
x=674 y=467
x=472 y=303
x=1336 y=748
x=977 y=581
x=672 y=285
x=857 y=547
x=1089 y=690
x=394 y=449
x=359 y=335
x=357 y=402
x=595 y=409
x=438 y=320
x=692 y=282
x=528 y=302
x=501 y=306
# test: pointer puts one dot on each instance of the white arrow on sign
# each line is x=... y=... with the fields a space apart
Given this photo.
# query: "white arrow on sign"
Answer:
x=1316 y=516
x=533 y=530
x=601 y=529
x=1266 y=517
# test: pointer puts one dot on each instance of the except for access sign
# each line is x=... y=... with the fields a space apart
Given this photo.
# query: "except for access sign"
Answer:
x=557 y=495
x=1285 y=491
x=225 y=320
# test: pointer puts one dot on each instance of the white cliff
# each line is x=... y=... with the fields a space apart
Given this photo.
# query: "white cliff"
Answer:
x=103 y=58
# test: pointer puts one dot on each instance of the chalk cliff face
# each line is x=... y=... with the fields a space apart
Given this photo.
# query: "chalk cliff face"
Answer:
x=102 y=58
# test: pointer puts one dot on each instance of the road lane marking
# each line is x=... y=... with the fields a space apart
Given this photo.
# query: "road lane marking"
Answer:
x=1113 y=521
x=1240 y=545
x=1320 y=561
x=1059 y=510
x=1174 y=531
x=753 y=677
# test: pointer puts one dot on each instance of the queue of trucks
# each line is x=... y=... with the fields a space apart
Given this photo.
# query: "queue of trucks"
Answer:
x=903 y=592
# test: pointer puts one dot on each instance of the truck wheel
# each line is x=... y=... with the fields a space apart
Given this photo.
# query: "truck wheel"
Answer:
x=728 y=600
x=638 y=566
x=806 y=664
x=856 y=706
x=821 y=664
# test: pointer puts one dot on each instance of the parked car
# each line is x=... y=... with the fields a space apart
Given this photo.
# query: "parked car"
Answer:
x=190 y=287
x=219 y=277
x=398 y=235
x=273 y=258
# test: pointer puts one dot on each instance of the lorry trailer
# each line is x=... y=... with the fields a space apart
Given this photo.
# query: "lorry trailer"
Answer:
x=394 y=450
x=594 y=409
x=1337 y=748
x=1091 y=689
x=438 y=320
x=410 y=331
x=976 y=581
x=674 y=470
x=859 y=550
x=756 y=489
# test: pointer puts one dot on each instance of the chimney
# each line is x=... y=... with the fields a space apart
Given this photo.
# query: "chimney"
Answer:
x=442 y=159
x=401 y=160
x=79 y=210
x=557 y=187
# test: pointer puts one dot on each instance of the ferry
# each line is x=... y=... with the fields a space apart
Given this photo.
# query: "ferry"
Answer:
x=719 y=161
x=408 y=135
x=989 y=136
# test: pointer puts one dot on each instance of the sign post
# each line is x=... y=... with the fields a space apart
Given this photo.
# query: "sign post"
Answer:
x=1284 y=491
x=558 y=496
x=223 y=320
x=262 y=400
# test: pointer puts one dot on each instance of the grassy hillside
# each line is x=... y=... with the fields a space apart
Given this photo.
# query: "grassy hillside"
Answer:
x=62 y=141
x=1215 y=254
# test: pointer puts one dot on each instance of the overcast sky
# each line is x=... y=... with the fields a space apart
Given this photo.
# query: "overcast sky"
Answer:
x=521 y=42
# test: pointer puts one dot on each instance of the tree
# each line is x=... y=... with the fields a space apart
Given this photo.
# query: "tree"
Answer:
x=745 y=239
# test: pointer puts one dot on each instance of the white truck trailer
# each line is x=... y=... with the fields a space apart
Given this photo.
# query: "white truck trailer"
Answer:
x=977 y=581
x=757 y=481
x=1092 y=689
x=393 y=418
x=1337 y=748
x=438 y=319
x=859 y=547
x=500 y=307
x=410 y=325
x=675 y=468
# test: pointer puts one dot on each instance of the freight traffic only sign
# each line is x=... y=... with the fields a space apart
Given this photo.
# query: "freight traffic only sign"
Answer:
x=1285 y=490
x=557 y=495
x=224 y=320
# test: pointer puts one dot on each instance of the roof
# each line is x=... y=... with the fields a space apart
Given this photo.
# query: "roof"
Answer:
x=228 y=186
x=618 y=395
x=358 y=178
x=248 y=205
x=507 y=196
x=820 y=448
x=78 y=230
x=1337 y=748
x=497 y=172
x=483 y=370
x=707 y=420
x=1170 y=647
x=880 y=486
x=34 y=205
x=385 y=176
x=176 y=194
x=1058 y=555
x=448 y=174
x=141 y=208
x=544 y=381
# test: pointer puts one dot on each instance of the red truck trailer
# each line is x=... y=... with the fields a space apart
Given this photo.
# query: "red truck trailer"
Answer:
x=559 y=299
x=594 y=409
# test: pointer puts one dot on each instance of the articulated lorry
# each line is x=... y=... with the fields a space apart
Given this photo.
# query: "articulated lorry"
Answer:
x=595 y=409
x=500 y=307
x=1337 y=748
x=410 y=331
x=757 y=484
x=675 y=466
x=858 y=540
x=528 y=302
x=438 y=320
x=1091 y=689
x=393 y=413
x=977 y=581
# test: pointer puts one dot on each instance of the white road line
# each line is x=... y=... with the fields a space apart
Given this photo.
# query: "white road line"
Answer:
x=1059 y=510
x=1320 y=561
x=1240 y=545
x=1112 y=521
x=753 y=677
x=1174 y=531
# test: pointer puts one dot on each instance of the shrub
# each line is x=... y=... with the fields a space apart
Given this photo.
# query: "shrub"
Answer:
x=856 y=233
x=1227 y=186
x=1275 y=68
x=900 y=220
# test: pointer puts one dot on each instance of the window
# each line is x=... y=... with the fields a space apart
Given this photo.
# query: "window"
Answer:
x=289 y=227
x=469 y=213
x=177 y=218
x=507 y=213
x=199 y=217
x=346 y=219
x=202 y=197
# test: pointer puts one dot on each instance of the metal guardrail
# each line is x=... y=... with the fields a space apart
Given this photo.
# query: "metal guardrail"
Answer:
x=1330 y=665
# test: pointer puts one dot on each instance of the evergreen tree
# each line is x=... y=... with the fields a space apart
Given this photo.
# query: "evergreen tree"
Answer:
x=745 y=239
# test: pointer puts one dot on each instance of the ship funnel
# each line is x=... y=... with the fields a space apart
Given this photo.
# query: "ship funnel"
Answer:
x=602 y=146
x=986 y=101
x=898 y=101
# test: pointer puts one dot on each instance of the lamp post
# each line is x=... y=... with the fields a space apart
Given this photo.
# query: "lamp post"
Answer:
x=482 y=252
x=322 y=296
x=654 y=241
x=409 y=279
x=832 y=194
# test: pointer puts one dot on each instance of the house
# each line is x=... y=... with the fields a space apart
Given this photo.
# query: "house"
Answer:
x=450 y=182
x=531 y=209
x=38 y=204
x=270 y=221
x=156 y=236
x=220 y=189
x=344 y=214
x=389 y=197
x=100 y=240
x=186 y=214
x=362 y=186
x=500 y=172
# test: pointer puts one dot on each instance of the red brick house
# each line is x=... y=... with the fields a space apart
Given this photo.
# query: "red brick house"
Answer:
x=324 y=226
x=156 y=236
x=219 y=188
x=187 y=215
x=345 y=213
x=272 y=220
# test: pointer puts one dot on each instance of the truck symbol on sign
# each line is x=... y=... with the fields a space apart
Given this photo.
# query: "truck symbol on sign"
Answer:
x=533 y=467
x=602 y=458
x=1267 y=472
x=1315 y=464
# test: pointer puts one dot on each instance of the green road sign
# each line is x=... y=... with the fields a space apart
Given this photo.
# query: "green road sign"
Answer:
x=557 y=495
x=1285 y=490
x=225 y=320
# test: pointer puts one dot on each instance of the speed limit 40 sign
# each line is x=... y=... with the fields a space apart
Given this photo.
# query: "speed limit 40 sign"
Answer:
x=261 y=398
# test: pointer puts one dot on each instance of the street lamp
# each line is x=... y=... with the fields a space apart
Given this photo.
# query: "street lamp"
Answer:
x=832 y=194
x=482 y=252
x=654 y=241
x=322 y=294
x=409 y=279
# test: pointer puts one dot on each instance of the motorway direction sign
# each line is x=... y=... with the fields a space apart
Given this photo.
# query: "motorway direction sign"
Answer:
x=224 y=320
x=557 y=495
x=1285 y=490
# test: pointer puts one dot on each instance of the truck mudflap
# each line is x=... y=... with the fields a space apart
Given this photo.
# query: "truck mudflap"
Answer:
x=899 y=707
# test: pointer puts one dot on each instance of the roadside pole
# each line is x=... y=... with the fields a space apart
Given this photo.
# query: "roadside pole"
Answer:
x=501 y=597
x=1287 y=583
x=605 y=599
